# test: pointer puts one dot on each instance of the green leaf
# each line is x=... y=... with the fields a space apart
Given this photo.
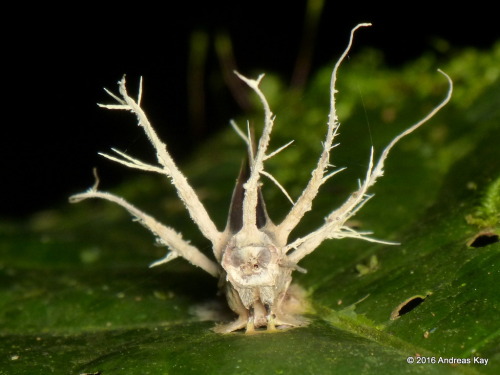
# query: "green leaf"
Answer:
x=76 y=294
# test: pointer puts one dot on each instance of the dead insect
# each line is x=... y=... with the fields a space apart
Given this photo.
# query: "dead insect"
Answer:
x=254 y=258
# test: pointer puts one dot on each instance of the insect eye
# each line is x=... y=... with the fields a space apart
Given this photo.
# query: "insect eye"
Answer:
x=256 y=266
x=264 y=257
x=236 y=259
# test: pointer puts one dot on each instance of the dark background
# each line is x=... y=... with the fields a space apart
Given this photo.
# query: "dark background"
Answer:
x=57 y=59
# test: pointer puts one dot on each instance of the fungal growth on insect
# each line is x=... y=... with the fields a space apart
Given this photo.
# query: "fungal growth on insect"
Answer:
x=253 y=257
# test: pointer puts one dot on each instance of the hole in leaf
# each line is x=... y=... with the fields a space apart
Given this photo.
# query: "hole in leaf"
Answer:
x=407 y=306
x=484 y=239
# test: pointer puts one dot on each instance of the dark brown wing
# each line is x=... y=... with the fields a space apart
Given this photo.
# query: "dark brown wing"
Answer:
x=235 y=217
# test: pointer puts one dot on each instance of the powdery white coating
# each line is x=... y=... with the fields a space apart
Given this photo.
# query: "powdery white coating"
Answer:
x=254 y=260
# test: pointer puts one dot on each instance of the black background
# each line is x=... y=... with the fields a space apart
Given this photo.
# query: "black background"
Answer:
x=57 y=59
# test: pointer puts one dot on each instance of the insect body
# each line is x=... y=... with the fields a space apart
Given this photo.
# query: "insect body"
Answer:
x=252 y=257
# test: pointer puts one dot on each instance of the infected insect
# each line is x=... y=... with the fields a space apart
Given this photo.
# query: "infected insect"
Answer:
x=254 y=258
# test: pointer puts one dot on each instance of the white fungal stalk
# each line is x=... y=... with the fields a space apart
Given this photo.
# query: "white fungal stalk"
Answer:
x=252 y=256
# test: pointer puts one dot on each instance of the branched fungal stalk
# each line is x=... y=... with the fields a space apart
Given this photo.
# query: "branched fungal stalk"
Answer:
x=253 y=257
